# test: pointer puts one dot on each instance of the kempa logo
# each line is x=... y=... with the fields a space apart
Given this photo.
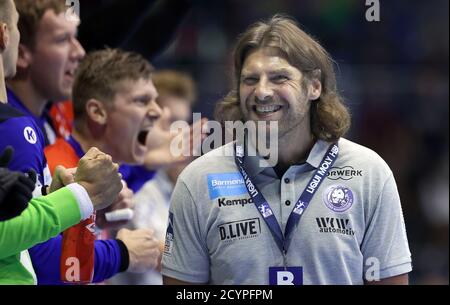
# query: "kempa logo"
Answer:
x=238 y=230
x=223 y=202
x=30 y=135
x=334 y=225
x=344 y=173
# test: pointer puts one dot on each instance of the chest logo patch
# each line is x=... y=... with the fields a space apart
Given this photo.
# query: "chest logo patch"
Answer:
x=226 y=184
x=338 y=198
x=30 y=135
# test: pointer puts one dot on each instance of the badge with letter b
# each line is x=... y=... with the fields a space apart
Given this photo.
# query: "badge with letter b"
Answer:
x=285 y=276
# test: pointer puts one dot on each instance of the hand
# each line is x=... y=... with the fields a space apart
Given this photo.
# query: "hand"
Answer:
x=123 y=201
x=6 y=156
x=16 y=188
x=100 y=177
x=143 y=249
x=62 y=177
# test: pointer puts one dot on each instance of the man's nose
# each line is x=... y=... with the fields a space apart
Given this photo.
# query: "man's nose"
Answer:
x=154 y=110
x=78 y=51
x=263 y=90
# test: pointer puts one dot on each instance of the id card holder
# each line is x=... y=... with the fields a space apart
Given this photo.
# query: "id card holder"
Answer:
x=285 y=275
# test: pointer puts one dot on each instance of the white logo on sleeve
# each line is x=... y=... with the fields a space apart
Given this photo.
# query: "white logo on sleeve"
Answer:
x=30 y=135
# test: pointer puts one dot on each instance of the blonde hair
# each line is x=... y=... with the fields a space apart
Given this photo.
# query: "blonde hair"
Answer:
x=100 y=74
x=330 y=118
x=175 y=83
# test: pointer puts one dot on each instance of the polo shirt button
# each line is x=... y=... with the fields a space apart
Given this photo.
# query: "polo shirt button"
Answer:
x=287 y=202
x=287 y=180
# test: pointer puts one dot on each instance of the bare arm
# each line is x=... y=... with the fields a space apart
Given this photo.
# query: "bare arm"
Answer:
x=401 y=279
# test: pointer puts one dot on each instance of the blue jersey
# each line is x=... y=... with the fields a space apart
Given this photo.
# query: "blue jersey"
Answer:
x=42 y=122
x=135 y=176
x=21 y=131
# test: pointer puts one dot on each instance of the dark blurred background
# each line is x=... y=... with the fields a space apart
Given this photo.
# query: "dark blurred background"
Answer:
x=392 y=73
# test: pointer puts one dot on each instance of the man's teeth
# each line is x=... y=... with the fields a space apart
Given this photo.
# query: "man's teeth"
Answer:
x=267 y=108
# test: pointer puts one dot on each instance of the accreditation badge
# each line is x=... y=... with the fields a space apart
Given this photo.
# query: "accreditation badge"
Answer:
x=285 y=275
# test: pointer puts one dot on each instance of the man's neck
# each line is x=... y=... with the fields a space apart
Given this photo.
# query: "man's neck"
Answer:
x=295 y=153
x=174 y=172
x=294 y=149
x=85 y=140
x=294 y=145
x=28 y=96
x=3 y=96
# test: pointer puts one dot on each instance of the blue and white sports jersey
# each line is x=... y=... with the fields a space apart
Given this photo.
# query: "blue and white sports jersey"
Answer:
x=22 y=133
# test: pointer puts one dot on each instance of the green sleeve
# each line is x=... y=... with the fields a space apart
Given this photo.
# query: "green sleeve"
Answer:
x=44 y=218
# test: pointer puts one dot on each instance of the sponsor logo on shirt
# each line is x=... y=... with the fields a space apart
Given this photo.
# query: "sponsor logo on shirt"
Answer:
x=168 y=244
x=334 y=225
x=344 y=173
x=226 y=184
x=30 y=135
x=223 y=202
x=239 y=230
x=338 y=198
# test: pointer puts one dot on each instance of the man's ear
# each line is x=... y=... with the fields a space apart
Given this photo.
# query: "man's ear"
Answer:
x=4 y=36
x=315 y=89
x=25 y=57
x=96 y=111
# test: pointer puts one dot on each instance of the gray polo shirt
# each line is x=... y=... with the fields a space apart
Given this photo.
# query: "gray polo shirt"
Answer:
x=352 y=230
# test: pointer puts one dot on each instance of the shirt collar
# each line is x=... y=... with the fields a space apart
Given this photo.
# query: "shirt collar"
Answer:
x=15 y=102
x=257 y=164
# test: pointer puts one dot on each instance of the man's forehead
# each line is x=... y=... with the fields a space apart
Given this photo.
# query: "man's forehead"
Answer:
x=266 y=60
x=52 y=22
x=136 y=87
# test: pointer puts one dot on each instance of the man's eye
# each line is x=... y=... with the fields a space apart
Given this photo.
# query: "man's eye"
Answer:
x=250 y=80
x=142 y=101
x=279 y=79
x=62 y=39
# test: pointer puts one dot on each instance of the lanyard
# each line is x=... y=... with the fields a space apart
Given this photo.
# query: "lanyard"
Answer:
x=300 y=206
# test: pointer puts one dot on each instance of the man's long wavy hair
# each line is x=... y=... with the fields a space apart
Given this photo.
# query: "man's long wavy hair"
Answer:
x=330 y=118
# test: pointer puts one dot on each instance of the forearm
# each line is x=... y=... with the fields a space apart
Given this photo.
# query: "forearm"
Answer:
x=44 y=218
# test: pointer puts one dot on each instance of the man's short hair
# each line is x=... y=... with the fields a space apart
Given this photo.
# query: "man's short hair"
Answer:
x=330 y=119
x=31 y=13
x=100 y=74
x=178 y=84
x=6 y=11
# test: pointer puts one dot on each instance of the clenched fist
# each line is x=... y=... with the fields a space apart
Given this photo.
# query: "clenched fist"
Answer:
x=100 y=177
x=143 y=249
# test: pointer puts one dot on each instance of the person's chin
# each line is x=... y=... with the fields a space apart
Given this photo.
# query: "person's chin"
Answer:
x=138 y=160
x=138 y=156
x=62 y=95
